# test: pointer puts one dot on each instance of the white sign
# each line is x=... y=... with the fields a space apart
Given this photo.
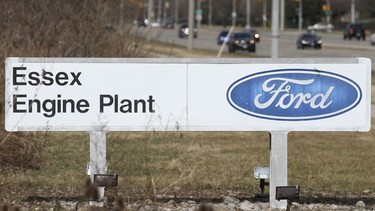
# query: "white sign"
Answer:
x=77 y=94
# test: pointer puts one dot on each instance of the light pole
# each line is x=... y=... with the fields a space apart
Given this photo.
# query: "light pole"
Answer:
x=248 y=24
x=282 y=15
x=264 y=16
x=300 y=18
x=234 y=13
x=352 y=8
x=210 y=13
x=191 y=24
x=176 y=6
x=275 y=29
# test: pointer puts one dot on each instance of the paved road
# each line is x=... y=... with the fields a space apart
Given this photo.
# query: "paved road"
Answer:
x=333 y=43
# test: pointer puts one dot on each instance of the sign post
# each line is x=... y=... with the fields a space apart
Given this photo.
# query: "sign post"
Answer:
x=113 y=94
x=278 y=166
x=98 y=163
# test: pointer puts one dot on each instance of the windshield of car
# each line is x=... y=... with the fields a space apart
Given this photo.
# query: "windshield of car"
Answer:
x=224 y=33
x=241 y=35
x=308 y=36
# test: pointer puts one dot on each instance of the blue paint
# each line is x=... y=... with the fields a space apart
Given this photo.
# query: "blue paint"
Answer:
x=294 y=94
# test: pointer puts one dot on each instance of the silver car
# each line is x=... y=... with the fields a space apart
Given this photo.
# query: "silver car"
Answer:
x=322 y=27
x=372 y=39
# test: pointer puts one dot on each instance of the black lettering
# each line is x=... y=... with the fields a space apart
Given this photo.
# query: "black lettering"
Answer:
x=49 y=108
x=34 y=79
x=37 y=104
x=142 y=103
x=104 y=103
x=126 y=106
x=47 y=76
x=62 y=78
x=151 y=102
x=65 y=105
x=76 y=78
x=83 y=106
x=17 y=75
x=16 y=103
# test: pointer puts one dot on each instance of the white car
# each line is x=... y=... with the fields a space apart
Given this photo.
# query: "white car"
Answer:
x=322 y=26
x=372 y=39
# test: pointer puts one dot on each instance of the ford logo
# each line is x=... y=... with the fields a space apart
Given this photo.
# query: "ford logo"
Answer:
x=294 y=94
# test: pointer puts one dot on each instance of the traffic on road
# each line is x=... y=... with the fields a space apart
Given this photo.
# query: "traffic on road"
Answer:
x=332 y=44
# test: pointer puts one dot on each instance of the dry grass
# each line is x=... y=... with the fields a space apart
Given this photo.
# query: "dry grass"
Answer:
x=199 y=164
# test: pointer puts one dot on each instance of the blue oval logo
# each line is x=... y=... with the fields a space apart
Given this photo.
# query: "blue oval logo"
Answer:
x=294 y=94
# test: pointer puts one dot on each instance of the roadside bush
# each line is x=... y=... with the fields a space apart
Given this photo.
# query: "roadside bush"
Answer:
x=18 y=151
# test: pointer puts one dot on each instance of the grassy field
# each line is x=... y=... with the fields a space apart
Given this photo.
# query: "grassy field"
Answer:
x=203 y=164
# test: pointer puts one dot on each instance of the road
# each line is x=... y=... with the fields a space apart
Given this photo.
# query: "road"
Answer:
x=334 y=46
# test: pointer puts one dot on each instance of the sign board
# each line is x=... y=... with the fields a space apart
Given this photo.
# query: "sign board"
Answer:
x=114 y=94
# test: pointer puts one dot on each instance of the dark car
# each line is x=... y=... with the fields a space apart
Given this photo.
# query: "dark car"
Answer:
x=183 y=31
x=222 y=37
x=253 y=33
x=355 y=30
x=241 y=41
x=310 y=40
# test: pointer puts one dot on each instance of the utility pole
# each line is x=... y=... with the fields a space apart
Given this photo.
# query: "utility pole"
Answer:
x=248 y=24
x=198 y=15
x=160 y=9
x=275 y=29
x=176 y=6
x=234 y=13
x=210 y=13
x=191 y=24
x=300 y=18
x=352 y=9
x=264 y=16
x=150 y=17
x=282 y=15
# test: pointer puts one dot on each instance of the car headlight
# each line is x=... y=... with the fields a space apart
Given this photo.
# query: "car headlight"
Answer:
x=304 y=42
x=319 y=42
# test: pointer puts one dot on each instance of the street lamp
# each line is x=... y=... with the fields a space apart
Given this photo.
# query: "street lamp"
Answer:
x=234 y=13
x=300 y=18
x=352 y=8
x=248 y=24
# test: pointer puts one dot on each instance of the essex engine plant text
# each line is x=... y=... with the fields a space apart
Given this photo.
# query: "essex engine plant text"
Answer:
x=22 y=103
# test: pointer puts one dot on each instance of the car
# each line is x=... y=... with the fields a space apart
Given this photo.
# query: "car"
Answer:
x=168 y=24
x=222 y=37
x=355 y=30
x=241 y=41
x=253 y=33
x=141 y=22
x=322 y=27
x=309 y=39
x=183 y=31
x=372 y=39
